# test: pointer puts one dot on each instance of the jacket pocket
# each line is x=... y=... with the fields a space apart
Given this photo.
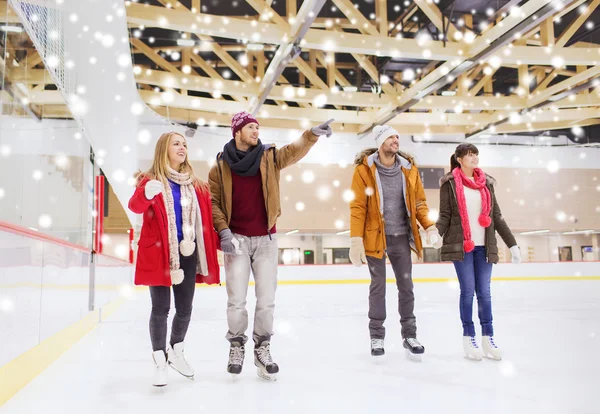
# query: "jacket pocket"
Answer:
x=371 y=239
x=149 y=253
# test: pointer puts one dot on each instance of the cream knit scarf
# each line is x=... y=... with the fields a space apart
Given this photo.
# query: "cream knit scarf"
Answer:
x=189 y=213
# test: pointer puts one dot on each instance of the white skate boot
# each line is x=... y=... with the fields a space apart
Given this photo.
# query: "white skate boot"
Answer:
x=490 y=349
x=472 y=350
x=160 y=371
x=178 y=362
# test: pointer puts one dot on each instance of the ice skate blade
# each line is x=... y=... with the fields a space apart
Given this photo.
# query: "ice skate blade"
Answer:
x=492 y=358
x=265 y=375
x=473 y=358
x=159 y=385
x=191 y=377
x=413 y=357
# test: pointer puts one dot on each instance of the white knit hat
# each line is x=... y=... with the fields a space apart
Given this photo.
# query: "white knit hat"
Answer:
x=382 y=132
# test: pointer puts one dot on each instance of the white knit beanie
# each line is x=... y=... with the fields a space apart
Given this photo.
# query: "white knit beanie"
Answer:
x=382 y=132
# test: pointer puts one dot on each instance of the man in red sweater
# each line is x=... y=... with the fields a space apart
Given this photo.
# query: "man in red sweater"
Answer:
x=244 y=184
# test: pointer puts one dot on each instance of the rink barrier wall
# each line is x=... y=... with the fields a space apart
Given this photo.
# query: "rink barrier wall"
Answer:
x=21 y=370
x=45 y=300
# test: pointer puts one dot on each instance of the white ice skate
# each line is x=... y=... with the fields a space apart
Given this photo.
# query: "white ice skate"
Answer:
x=490 y=349
x=472 y=350
x=177 y=361
x=265 y=367
x=160 y=370
x=414 y=350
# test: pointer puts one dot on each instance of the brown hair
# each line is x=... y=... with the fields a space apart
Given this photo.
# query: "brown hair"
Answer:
x=460 y=151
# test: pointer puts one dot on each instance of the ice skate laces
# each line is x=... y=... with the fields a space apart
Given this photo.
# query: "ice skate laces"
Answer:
x=264 y=354
x=236 y=355
x=491 y=342
x=376 y=343
x=473 y=342
x=413 y=342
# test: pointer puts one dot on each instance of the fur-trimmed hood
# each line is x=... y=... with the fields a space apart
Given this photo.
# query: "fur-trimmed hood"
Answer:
x=448 y=176
x=360 y=157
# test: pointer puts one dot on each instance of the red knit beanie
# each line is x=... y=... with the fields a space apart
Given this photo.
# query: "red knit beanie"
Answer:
x=240 y=120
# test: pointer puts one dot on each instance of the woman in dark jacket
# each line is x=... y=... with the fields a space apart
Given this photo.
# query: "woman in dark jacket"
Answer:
x=469 y=217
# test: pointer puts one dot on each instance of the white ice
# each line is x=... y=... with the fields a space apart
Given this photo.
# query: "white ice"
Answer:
x=549 y=331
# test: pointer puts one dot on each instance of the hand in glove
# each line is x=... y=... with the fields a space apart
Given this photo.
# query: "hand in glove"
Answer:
x=153 y=187
x=434 y=238
x=228 y=245
x=323 y=129
x=515 y=254
x=357 y=251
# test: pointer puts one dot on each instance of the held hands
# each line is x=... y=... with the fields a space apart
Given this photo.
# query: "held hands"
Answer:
x=229 y=244
x=323 y=129
x=434 y=238
x=357 y=251
x=515 y=254
x=153 y=188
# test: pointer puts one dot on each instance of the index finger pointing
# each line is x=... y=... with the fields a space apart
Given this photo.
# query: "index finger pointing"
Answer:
x=328 y=122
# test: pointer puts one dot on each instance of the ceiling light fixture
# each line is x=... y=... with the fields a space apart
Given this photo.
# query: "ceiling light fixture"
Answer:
x=12 y=29
x=186 y=42
x=255 y=46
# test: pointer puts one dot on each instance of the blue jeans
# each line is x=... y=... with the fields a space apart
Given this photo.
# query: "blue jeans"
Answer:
x=474 y=275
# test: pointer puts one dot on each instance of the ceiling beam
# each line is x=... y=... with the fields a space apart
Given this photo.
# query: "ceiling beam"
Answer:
x=434 y=14
x=564 y=85
x=356 y=17
x=568 y=33
x=288 y=51
x=344 y=42
x=266 y=12
x=482 y=48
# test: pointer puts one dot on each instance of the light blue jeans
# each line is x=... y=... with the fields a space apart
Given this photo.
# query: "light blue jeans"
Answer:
x=259 y=256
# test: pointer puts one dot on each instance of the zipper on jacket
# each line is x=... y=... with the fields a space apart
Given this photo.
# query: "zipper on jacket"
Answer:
x=456 y=198
x=267 y=203
x=224 y=203
x=487 y=259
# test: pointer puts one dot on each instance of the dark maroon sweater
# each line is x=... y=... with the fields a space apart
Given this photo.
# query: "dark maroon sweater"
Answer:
x=248 y=211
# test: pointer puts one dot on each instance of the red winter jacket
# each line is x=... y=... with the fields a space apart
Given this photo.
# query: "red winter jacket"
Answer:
x=152 y=265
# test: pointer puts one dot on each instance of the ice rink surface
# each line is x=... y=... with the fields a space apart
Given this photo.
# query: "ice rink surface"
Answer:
x=549 y=332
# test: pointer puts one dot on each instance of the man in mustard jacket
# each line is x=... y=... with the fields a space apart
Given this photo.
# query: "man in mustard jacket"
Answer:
x=384 y=215
x=244 y=184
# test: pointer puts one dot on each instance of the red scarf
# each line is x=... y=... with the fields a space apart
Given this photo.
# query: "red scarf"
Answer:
x=460 y=179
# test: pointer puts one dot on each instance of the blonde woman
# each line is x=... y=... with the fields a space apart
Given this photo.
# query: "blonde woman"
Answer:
x=177 y=247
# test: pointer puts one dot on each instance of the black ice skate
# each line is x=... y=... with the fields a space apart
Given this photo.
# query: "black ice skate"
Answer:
x=266 y=368
x=377 y=347
x=236 y=358
x=414 y=349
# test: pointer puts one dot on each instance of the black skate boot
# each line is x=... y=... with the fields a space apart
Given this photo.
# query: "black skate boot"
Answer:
x=237 y=351
x=377 y=347
x=414 y=349
x=266 y=368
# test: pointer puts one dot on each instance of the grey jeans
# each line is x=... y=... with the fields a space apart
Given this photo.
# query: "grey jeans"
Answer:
x=398 y=250
x=259 y=256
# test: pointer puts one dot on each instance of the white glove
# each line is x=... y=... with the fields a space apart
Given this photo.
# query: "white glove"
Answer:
x=153 y=188
x=515 y=254
x=434 y=238
x=323 y=129
x=357 y=251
